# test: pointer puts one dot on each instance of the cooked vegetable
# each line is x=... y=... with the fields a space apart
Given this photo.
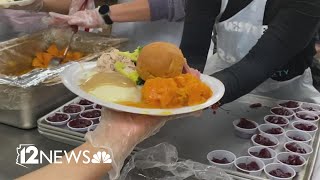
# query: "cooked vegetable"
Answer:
x=43 y=59
x=133 y=56
x=127 y=71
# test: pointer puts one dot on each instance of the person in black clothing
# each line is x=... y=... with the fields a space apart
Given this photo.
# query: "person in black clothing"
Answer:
x=256 y=40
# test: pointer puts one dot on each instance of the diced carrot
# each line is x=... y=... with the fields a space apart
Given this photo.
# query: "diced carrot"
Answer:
x=39 y=56
x=47 y=58
x=43 y=59
x=36 y=63
x=77 y=55
x=62 y=52
x=53 y=50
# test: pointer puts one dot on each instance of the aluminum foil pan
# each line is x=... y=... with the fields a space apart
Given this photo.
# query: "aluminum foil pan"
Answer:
x=16 y=55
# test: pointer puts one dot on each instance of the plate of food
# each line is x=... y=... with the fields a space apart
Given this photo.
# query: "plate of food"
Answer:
x=153 y=80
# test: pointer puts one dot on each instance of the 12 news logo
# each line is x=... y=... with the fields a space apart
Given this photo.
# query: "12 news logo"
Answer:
x=28 y=154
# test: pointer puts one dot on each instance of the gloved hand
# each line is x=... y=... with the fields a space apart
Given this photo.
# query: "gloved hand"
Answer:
x=120 y=132
x=188 y=69
x=76 y=5
x=86 y=19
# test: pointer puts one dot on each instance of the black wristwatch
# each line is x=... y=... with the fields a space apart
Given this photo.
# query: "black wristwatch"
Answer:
x=104 y=12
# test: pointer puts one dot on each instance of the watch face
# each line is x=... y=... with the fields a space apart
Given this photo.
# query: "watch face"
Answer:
x=104 y=9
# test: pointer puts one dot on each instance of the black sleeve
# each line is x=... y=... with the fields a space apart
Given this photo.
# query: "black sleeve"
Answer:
x=198 y=26
x=288 y=34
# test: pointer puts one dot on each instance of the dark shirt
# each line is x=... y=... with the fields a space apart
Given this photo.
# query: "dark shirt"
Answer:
x=284 y=51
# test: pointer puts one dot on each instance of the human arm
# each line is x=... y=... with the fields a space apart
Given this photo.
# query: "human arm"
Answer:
x=117 y=134
x=56 y=6
x=146 y=10
x=197 y=32
x=289 y=32
x=137 y=10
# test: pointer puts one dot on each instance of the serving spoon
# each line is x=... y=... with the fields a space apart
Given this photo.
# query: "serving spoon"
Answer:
x=55 y=61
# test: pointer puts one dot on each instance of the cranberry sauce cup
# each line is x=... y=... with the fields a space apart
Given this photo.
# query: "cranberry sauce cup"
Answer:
x=265 y=154
x=299 y=148
x=79 y=124
x=73 y=110
x=265 y=140
x=278 y=171
x=221 y=158
x=290 y=104
x=284 y=112
x=245 y=128
x=307 y=116
x=249 y=165
x=85 y=103
x=277 y=120
x=58 y=119
x=305 y=126
x=298 y=136
x=273 y=130
x=93 y=114
x=295 y=161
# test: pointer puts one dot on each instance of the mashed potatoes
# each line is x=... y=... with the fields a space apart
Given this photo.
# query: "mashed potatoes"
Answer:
x=112 y=87
x=113 y=93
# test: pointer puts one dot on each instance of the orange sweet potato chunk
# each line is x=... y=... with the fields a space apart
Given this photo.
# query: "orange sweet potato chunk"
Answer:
x=42 y=59
x=183 y=90
x=53 y=50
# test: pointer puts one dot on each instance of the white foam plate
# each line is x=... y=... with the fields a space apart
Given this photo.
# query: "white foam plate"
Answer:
x=72 y=75
x=8 y=3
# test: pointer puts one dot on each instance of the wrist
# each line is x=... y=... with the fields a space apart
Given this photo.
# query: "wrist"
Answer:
x=104 y=12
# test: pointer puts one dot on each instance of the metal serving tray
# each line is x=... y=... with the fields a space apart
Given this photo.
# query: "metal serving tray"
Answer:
x=195 y=137
x=60 y=129
x=21 y=107
x=60 y=138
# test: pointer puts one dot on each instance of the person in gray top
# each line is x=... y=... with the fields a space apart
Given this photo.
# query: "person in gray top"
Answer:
x=136 y=10
x=172 y=10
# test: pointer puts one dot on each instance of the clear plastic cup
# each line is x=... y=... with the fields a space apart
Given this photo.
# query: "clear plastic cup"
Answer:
x=295 y=126
x=75 y=114
x=247 y=160
x=285 y=155
x=220 y=154
x=299 y=116
x=87 y=123
x=306 y=147
x=271 y=138
x=257 y=149
x=242 y=132
x=291 y=134
x=97 y=106
x=315 y=108
x=263 y=128
x=85 y=103
x=268 y=120
x=58 y=123
x=92 y=114
x=283 y=167
x=290 y=104
x=284 y=112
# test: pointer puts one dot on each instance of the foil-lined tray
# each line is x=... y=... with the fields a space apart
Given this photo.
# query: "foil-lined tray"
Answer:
x=17 y=54
x=25 y=98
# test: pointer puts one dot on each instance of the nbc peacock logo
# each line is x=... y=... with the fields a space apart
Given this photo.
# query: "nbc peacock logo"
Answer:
x=101 y=157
